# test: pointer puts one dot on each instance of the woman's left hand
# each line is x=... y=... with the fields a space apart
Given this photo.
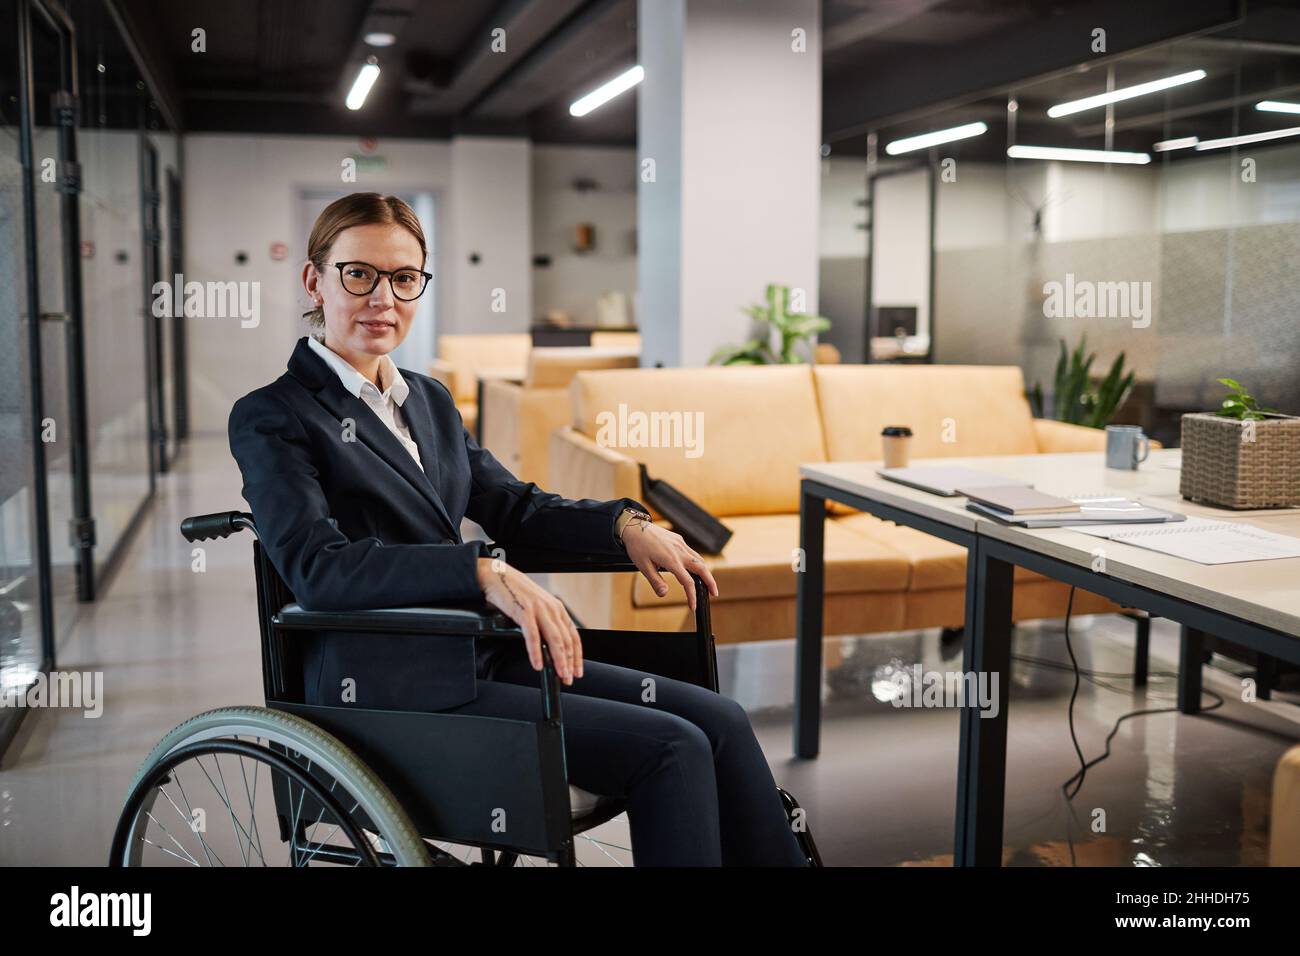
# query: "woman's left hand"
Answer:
x=653 y=549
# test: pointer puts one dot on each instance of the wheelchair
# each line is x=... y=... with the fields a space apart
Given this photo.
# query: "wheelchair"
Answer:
x=351 y=786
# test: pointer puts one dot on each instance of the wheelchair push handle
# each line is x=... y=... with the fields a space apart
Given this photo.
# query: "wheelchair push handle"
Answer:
x=220 y=525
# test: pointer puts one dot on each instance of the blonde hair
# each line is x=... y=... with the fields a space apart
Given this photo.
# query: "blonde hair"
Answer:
x=357 y=209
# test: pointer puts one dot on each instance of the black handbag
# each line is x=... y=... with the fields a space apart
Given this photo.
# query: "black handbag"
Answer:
x=702 y=531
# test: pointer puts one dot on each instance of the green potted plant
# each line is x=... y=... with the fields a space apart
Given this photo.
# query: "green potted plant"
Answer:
x=1242 y=455
x=1076 y=400
x=775 y=316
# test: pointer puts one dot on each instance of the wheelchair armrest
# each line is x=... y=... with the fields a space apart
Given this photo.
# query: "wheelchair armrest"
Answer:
x=561 y=562
x=478 y=618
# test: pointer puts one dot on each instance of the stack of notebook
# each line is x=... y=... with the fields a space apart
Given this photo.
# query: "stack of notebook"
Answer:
x=1030 y=508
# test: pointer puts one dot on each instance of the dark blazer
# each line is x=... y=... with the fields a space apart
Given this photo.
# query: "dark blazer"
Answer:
x=350 y=521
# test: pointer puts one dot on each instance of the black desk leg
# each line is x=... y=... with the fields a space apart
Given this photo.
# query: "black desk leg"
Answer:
x=809 y=595
x=1265 y=676
x=1141 y=650
x=982 y=759
x=1191 y=658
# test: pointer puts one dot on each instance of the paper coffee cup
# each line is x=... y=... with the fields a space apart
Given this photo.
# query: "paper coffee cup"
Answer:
x=896 y=445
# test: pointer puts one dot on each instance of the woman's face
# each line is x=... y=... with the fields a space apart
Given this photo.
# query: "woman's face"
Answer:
x=357 y=326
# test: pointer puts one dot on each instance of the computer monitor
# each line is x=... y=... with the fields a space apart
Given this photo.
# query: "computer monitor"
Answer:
x=893 y=321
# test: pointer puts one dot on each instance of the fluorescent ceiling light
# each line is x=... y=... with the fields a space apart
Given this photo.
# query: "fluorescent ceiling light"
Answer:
x=1166 y=145
x=924 y=140
x=1277 y=106
x=361 y=86
x=1249 y=138
x=380 y=38
x=602 y=95
x=1077 y=155
x=1101 y=99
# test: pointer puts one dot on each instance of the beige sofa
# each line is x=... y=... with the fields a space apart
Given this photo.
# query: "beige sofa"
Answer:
x=1284 y=828
x=759 y=424
x=518 y=418
x=461 y=359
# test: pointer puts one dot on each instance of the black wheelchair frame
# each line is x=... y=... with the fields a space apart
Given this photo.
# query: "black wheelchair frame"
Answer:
x=444 y=769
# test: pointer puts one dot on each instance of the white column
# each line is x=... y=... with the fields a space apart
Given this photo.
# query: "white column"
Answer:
x=729 y=120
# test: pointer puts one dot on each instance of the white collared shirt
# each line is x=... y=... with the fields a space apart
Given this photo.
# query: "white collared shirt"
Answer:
x=384 y=404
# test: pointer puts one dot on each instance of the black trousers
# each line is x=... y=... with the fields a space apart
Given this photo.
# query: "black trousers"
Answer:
x=699 y=791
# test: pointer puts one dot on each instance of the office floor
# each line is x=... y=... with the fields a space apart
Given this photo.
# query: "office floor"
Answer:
x=1177 y=791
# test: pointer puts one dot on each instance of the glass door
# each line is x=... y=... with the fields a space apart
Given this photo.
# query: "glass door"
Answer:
x=56 y=182
x=25 y=640
x=175 y=260
x=159 y=325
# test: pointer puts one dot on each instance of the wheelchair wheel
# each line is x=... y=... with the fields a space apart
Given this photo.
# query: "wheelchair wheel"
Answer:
x=219 y=789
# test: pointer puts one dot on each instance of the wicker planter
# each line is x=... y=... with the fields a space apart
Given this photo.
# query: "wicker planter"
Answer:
x=1222 y=467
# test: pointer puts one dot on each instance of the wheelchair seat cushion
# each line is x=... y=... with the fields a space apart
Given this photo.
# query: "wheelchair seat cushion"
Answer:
x=581 y=802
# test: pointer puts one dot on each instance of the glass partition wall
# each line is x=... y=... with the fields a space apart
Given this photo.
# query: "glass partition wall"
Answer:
x=94 y=403
x=24 y=555
x=1146 y=204
x=119 y=350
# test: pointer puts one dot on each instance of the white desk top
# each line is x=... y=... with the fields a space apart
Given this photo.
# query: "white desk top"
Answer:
x=1267 y=592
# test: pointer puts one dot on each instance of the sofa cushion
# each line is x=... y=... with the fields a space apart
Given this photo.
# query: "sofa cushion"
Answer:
x=758 y=562
x=953 y=410
x=936 y=563
x=730 y=437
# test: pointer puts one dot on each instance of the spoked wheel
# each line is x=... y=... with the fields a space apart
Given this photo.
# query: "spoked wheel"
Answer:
x=248 y=786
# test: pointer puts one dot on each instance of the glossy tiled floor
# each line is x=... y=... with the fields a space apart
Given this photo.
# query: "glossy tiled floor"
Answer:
x=172 y=641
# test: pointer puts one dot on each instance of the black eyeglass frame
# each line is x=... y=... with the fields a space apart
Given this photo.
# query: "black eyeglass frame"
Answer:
x=379 y=274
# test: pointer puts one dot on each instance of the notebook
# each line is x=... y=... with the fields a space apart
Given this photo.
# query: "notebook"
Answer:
x=1018 y=500
x=1090 y=510
x=945 y=480
x=1205 y=541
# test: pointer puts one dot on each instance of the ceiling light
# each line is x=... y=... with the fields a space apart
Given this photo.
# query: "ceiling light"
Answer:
x=602 y=95
x=1249 y=138
x=1277 y=106
x=934 y=139
x=1165 y=145
x=380 y=38
x=1101 y=99
x=361 y=86
x=1077 y=155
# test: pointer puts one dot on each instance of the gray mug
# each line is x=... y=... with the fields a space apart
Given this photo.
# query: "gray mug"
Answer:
x=1126 y=447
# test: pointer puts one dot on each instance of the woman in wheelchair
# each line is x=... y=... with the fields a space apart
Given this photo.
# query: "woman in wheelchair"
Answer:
x=358 y=476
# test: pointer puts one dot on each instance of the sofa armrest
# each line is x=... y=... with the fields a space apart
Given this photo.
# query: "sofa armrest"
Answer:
x=500 y=414
x=1054 y=436
x=580 y=468
x=1284 y=836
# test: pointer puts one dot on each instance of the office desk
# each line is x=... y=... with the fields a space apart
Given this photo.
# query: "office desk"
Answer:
x=1255 y=604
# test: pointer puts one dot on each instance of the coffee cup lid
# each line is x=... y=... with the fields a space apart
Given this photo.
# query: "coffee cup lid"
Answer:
x=897 y=431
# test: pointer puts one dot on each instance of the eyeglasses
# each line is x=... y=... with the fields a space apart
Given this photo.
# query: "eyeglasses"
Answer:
x=361 y=278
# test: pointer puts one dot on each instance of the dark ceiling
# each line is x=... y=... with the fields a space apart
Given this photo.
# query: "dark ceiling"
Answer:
x=284 y=66
x=894 y=66
x=923 y=81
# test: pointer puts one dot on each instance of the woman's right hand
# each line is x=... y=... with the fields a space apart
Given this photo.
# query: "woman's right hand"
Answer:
x=539 y=614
